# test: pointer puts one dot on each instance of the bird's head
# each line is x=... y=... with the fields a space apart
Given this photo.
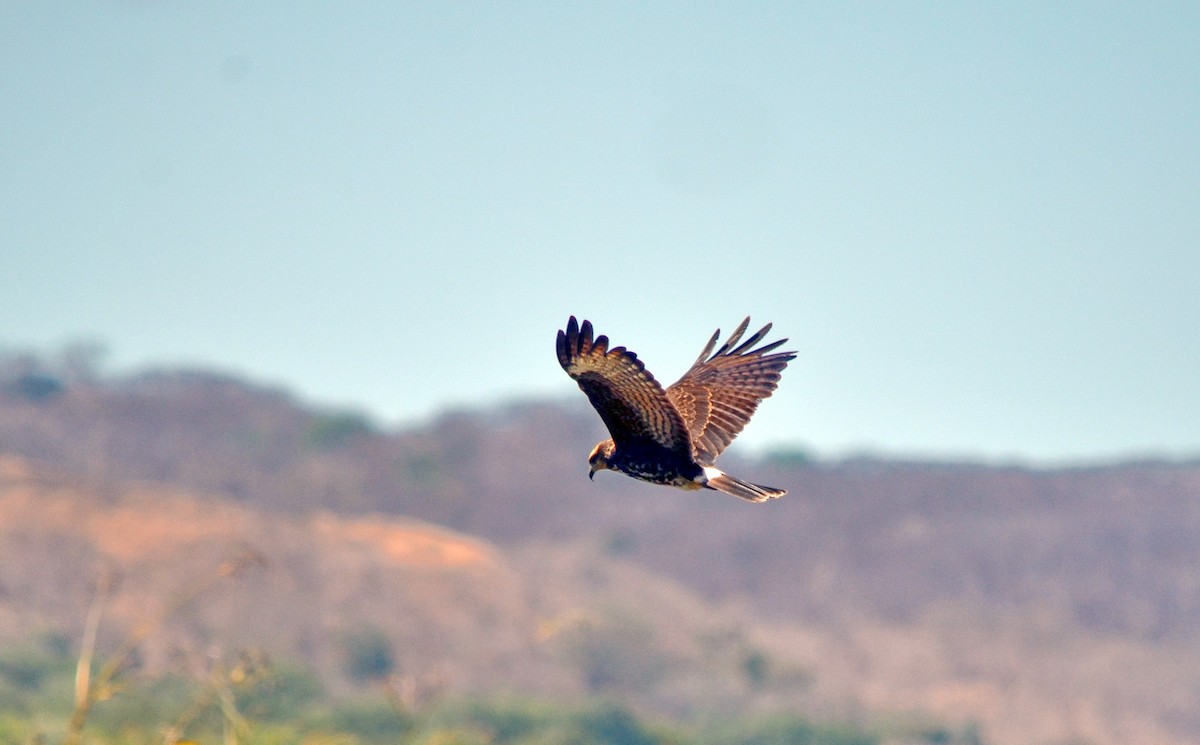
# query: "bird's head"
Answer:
x=600 y=458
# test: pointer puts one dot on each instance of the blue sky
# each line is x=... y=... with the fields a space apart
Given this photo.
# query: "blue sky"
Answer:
x=977 y=224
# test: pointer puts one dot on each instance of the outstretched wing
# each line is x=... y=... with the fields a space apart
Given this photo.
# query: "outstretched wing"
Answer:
x=719 y=394
x=633 y=405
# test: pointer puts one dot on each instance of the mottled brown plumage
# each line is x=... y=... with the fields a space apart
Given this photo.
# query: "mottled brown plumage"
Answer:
x=673 y=436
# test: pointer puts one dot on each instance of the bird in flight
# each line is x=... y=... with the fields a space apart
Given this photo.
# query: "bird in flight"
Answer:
x=672 y=436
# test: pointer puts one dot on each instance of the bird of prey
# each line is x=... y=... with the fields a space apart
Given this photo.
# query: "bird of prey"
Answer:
x=672 y=436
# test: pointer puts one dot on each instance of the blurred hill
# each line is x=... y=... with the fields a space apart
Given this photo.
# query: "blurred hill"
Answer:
x=1046 y=605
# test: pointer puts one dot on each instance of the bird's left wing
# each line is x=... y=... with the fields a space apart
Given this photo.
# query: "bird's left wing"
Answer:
x=631 y=402
x=719 y=394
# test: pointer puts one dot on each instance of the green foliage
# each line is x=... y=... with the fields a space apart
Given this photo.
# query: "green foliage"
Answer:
x=456 y=736
x=14 y=728
x=35 y=387
x=24 y=667
x=787 y=730
x=289 y=692
x=161 y=702
x=138 y=716
x=329 y=431
x=35 y=671
x=790 y=457
x=369 y=720
x=421 y=470
x=288 y=705
x=621 y=543
x=939 y=735
x=503 y=720
x=756 y=667
x=613 y=725
x=367 y=655
x=525 y=722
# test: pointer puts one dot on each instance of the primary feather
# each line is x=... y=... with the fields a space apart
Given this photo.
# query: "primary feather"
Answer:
x=719 y=394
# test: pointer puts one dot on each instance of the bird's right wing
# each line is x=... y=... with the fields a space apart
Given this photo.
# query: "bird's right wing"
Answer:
x=633 y=405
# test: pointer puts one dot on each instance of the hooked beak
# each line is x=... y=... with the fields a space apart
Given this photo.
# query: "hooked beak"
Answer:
x=591 y=473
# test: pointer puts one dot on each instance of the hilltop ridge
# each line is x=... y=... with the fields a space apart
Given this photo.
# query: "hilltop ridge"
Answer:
x=1060 y=602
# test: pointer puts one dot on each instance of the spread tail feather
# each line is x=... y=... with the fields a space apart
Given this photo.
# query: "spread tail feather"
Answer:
x=723 y=482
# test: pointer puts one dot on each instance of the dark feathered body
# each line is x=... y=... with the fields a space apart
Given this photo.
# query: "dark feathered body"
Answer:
x=658 y=466
x=673 y=436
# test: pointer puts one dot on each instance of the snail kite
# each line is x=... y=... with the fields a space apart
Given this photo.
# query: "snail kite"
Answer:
x=673 y=436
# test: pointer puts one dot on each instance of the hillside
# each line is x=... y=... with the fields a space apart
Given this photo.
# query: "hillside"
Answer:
x=308 y=583
x=456 y=613
x=1046 y=605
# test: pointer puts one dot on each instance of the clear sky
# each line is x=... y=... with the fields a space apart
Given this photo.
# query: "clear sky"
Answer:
x=977 y=224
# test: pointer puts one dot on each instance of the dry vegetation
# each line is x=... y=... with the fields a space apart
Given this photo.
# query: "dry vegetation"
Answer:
x=1041 y=606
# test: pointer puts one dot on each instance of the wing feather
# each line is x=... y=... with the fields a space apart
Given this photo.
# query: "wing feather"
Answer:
x=632 y=404
x=721 y=391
